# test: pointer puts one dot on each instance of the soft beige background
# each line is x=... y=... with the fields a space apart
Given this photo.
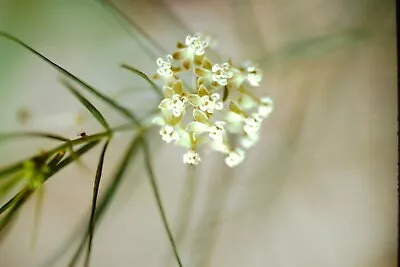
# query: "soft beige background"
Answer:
x=320 y=189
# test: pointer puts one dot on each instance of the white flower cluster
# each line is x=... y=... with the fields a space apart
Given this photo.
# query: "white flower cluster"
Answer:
x=220 y=91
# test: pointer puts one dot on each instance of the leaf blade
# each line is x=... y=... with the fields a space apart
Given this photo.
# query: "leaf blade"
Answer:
x=157 y=196
x=85 y=85
x=144 y=76
x=89 y=106
x=109 y=194
x=96 y=188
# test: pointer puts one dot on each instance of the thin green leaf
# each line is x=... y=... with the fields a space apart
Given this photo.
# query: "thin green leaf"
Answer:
x=185 y=209
x=4 y=136
x=37 y=215
x=73 y=157
x=58 y=157
x=144 y=76
x=109 y=194
x=12 y=207
x=10 y=183
x=19 y=165
x=157 y=196
x=88 y=87
x=90 y=107
x=25 y=193
x=316 y=46
x=128 y=28
x=136 y=27
x=11 y=169
x=94 y=202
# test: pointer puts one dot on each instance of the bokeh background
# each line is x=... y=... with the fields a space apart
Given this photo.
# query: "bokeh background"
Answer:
x=320 y=188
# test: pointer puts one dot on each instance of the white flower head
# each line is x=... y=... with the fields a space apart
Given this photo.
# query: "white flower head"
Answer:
x=197 y=44
x=164 y=66
x=191 y=157
x=235 y=157
x=217 y=131
x=266 y=107
x=215 y=118
x=221 y=73
x=252 y=124
x=211 y=103
x=169 y=134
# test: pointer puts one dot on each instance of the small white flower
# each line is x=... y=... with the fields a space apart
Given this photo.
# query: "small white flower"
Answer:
x=211 y=103
x=217 y=131
x=266 y=107
x=252 y=124
x=254 y=75
x=168 y=134
x=191 y=157
x=177 y=105
x=197 y=44
x=235 y=157
x=221 y=73
x=164 y=66
x=249 y=140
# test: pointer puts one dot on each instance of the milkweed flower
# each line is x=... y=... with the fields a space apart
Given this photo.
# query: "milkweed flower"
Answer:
x=220 y=103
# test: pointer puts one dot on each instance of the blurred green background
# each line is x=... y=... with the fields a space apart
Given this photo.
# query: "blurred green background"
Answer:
x=320 y=188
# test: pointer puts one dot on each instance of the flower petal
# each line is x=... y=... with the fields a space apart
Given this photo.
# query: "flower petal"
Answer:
x=177 y=55
x=207 y=64
x=164 y=103
x=201 y=72
x=203 y=91
x=167 y=91
x=158 y=121
x=186 y=64
x=247 y=102
x=195 y=126
x=180 y=45
x=195 y=100
x=234 y=107
x=200 y=116
x=178 y=87
x=198 y=59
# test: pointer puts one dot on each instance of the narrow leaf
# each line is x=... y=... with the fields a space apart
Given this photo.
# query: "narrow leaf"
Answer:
x=37 y=215
x=94 y=201
x=4 y=136
x=144 y=76
x=10 y=183
x=109 y=194
x=157 y=196
x=90 y=107
x=88 y=87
